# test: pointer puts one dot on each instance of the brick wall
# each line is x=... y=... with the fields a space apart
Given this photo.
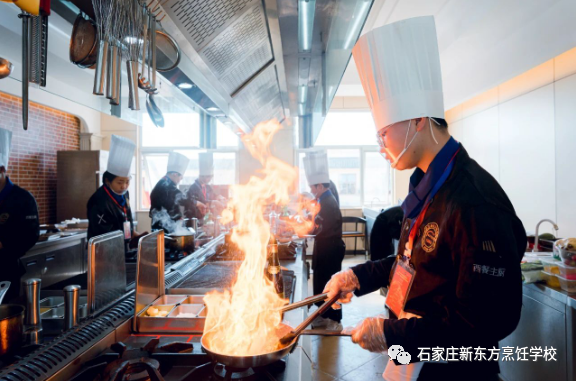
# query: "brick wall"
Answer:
x=32 y=162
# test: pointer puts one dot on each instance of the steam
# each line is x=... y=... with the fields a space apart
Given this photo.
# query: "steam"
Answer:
x=172 y=227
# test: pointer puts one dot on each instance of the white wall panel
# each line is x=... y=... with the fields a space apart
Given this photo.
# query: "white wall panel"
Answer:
x=565 y=115
x=456 y=129
x=482 y=140
x=527 y=157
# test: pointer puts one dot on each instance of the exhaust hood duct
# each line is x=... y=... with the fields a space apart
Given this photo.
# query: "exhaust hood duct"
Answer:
x=259 y=59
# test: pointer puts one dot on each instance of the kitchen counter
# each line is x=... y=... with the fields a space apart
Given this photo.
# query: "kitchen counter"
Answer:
x=56 y=260
x=93 y=337
x=548 y=320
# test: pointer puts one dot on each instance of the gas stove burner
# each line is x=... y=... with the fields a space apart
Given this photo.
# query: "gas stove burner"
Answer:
x=268 y=372
x=226 y=373
x=142 y=369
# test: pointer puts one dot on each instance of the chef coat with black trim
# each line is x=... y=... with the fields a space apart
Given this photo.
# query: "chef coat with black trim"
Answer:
x=166 y=195
x=104 y=216
x=468 y=285
x=19 y=232
x=329 y=248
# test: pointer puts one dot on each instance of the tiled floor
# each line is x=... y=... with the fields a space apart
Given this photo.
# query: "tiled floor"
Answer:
x=337 y=358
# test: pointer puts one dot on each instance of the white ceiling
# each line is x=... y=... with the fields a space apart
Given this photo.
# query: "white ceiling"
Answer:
x=482 y=43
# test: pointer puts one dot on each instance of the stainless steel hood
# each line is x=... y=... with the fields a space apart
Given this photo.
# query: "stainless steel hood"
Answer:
x=247 y=61
x=250 y=53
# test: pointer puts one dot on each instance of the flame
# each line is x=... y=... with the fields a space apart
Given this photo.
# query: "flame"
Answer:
x=242 y=321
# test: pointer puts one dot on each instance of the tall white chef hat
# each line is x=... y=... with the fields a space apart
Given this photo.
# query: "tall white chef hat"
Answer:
x=399 y=66
x=121 y=155
x=206 y=164
x=177 y=163
x=316 y=168
x=5 y=141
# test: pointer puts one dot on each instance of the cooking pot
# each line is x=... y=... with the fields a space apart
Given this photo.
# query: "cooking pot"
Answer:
x=180 y=242
x=11 y=327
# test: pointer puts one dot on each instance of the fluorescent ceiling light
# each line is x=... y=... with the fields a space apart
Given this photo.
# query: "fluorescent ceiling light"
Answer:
x=306 y=9
x=212 y=109
x=185 y=85
x=357 y=21
x=302 y=93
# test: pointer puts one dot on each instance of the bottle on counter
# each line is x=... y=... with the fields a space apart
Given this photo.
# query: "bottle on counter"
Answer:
x=273 y=269
x=273 y=221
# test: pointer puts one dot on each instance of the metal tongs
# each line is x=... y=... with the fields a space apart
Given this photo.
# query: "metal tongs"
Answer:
x=303 y=303
x=290 y=336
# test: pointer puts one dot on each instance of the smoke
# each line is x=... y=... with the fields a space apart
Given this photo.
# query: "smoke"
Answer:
x=172 y=227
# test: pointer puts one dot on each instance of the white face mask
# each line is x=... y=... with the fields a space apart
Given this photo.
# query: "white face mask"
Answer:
x=119 y=194
x=394 y=162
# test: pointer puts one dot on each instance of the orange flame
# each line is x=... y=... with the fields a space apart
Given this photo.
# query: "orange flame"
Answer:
x=242 y=321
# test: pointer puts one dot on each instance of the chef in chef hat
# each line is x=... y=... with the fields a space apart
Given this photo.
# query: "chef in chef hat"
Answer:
x=457 y=219
x=201 y=191
x=109 y=207
x=317 y=174
x=329 y=248
x=117 y=176
x=177 y=165
x=399 y=66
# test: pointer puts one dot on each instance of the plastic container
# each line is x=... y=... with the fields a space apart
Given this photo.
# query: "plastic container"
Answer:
x=551 y=265
x=567 y=284
x=532 y=276
x=551 y=279
x=567 y=256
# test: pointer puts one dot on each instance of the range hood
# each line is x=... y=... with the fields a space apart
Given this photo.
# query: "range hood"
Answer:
x=247 y=61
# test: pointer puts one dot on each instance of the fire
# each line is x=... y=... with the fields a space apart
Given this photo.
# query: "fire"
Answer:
x=242 y=321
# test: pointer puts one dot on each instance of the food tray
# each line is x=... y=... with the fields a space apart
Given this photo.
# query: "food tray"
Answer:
x=172 y=323
x=150 y=292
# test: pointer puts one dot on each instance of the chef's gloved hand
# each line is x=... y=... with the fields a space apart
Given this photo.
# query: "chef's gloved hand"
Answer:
x=369 y=334
x=343 y=283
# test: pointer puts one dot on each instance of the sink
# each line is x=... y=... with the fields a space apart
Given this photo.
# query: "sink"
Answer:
x=531 y=256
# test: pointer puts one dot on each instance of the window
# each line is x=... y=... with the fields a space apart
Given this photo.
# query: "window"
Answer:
x=377 y=179
x=360 y=173
x=181 y=134
x=347 y=128
x=180 y=129
x=225 y=137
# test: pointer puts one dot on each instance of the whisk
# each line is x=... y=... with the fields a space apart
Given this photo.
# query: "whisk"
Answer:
x=102 y=12
x=133 y=29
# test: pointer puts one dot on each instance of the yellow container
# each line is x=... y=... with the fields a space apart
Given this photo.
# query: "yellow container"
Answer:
x=551 y=279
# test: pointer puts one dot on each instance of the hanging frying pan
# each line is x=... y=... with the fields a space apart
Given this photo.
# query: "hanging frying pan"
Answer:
x=83 y=42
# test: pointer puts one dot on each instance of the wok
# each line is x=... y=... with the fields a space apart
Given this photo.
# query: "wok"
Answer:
x=288 y=337
x=251 y=361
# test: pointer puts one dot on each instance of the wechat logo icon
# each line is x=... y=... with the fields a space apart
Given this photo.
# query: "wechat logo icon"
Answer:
x=396 y=352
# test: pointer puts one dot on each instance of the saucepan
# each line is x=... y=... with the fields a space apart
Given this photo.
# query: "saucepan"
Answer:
x=288 y=339
x=180 y=242
x=11 y=324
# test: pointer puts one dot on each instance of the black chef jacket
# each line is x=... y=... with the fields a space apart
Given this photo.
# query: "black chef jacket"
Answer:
x=195 y=192
x=104 y=216
x=334 y=191
x=19 y=231
x=329 y=247
x=167 y=195
x=468 y=285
